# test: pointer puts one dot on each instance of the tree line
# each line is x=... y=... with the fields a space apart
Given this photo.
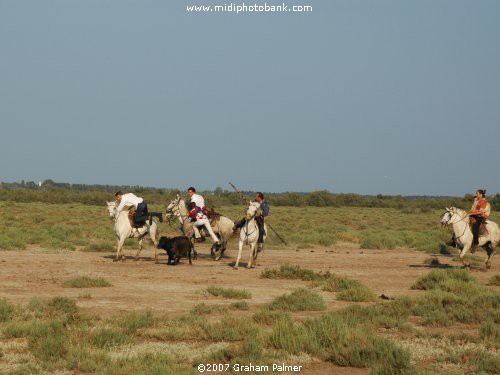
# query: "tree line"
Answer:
x=52 y=192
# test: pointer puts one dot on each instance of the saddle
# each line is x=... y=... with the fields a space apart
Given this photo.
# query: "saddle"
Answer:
x=131 y=218
x=483 y=231
x=213 y=216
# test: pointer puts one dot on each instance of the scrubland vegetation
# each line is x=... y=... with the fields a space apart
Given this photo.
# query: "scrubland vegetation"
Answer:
x=403 y=336
x=449 y=325
x=88 y=228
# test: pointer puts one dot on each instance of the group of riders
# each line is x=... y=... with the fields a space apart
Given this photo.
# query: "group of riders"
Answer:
x=478 y=214
x=198 y=214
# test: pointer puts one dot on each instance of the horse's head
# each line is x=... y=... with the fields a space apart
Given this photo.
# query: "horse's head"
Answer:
x=172 y=209
x=111 y=209
x=252 y=210
x=450 y=216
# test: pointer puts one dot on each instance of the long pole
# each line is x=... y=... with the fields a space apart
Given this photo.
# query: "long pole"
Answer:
x=248 y=200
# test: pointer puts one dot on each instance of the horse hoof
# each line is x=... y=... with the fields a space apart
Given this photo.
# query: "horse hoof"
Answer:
x=488 y=265
x=252 y=266
x=235 y=268
x=116 y=260
x=136 y=259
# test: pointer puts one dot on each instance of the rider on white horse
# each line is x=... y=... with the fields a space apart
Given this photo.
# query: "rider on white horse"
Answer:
x=198 y=216
x=479 y=213
x=141 y=208
x=264 y=211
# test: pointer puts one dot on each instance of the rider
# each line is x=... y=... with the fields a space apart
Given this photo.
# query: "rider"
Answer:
x=264 y=211
x=478 y=214
x=198 y=215
x=141 y=208
x=480 y=211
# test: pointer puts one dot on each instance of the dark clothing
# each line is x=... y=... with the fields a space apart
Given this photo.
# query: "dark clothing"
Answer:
x=141 y=214
x=262 y=231
x=264 y=206
x=478 y=220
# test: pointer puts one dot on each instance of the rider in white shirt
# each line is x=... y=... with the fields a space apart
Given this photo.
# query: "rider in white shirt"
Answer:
x=141 y=208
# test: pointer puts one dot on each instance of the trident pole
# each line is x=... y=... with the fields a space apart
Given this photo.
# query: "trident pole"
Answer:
x=248 y=200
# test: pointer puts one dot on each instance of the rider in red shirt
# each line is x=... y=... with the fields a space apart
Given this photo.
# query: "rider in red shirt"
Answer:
x=478 y=214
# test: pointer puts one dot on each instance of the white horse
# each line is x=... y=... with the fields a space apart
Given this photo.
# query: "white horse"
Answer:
x=459 y=220
x=249 y=234
x=124 y=230
x=222 y=227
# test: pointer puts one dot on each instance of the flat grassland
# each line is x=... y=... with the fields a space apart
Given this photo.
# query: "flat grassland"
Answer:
x=67 y=308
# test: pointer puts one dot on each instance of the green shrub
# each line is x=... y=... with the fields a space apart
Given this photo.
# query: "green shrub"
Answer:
x=47 y=341
x=348 y=289
x=240 y=305
x=228 y=329
x=292 y=337
x=229 y=292
x=490 y=332
x=444 y=279
x=301 y=299
x=133 y=321
x=287 y=271
x=6 y=310
x=105 y=337
x=86 y=282
x=495 y=280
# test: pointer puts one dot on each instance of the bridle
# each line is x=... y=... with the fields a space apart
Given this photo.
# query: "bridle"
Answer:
x=247 y=234
x=175 y=211
x=461 y=218
x=114 y=215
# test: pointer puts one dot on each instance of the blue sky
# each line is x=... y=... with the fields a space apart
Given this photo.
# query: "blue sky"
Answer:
x=392 y=97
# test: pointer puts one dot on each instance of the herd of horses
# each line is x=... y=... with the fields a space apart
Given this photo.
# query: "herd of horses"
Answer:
x=177 y=210
x=223 y=227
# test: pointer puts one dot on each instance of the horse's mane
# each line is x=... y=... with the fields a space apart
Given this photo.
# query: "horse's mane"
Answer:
x=459 y=211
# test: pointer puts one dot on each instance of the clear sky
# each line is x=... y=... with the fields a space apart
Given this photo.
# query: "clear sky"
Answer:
x=393 y=97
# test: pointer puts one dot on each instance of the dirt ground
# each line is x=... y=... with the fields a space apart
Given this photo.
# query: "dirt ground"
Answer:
x=143 y=285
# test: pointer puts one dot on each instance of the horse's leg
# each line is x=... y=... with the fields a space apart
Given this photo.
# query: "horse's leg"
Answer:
x=119 y=248
x=240 y=248
x=195 y=253
x=464 y=251
x=223 y=246
x=490 y=250
x=140 y=248
x=253 y=246
x=152 y=234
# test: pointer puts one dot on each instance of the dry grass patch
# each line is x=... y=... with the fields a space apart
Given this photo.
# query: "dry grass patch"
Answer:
x=495 y=280
x=346 y=289
x=86 y=282
x=231 y=293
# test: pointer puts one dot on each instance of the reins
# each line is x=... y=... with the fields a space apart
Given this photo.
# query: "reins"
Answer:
x=461 y=219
